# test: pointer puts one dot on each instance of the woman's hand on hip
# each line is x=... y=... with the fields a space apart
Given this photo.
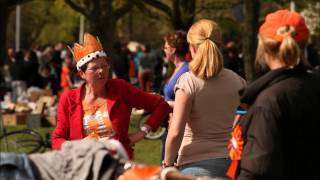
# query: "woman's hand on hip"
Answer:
x=136 y=137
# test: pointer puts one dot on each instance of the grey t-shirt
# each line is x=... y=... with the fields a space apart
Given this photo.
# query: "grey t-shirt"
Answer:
x=214 y=103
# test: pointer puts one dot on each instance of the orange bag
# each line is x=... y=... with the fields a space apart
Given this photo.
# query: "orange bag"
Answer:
x=141 y=173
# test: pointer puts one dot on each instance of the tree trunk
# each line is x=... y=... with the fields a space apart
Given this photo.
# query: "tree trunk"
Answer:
x=4 y=15
x=180 y=13
x=105 y=29
x=102 y=23
x=183 y=14
x=251 y=14
x=6 y=7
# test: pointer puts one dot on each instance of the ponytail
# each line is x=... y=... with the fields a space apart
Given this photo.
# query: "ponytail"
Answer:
x=289 y=51
x=208 y=61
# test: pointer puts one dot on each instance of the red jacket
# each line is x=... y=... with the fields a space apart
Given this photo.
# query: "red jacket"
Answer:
x=121 y=98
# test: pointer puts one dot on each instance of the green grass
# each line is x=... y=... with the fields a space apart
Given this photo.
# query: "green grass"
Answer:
x=146 y=151
x=43 y=131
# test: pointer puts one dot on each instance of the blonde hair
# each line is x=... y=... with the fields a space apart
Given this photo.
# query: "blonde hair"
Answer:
x=287 y=51
x=205 y=36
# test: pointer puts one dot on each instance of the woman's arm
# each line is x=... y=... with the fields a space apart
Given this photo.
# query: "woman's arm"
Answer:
x=154 y=104
x=62 y=130
x=181 y=111
x=137 y=136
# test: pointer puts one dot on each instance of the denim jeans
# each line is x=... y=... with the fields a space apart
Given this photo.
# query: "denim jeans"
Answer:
x=15 y=167
x=216 y=168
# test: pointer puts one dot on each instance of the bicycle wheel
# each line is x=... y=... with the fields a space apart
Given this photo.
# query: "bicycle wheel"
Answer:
x=152 y=135
x=21 y=141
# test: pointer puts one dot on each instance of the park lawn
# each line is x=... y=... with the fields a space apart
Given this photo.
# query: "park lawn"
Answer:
x=146 y=151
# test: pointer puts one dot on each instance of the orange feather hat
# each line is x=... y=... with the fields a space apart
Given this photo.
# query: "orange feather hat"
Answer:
x=91 y=49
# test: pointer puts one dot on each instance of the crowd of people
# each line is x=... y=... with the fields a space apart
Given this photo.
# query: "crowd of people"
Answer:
x=52 y=67
x=47 y=67
x=274 y=139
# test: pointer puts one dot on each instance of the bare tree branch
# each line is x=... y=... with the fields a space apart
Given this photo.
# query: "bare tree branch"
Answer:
x=160 y=6
x=180 y=14
x=9 y=3
x=176 y=15
x=123 y=10
x=189 y=9
x=146 y=11
x=218 y=5
x=77 y=8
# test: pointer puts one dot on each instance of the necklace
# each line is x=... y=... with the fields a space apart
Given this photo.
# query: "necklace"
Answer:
x=96 y=102
x=94 y=106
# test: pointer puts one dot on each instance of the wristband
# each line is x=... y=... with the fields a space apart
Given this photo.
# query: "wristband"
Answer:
x=165 y=171
x=165 y=165
x=145 y=129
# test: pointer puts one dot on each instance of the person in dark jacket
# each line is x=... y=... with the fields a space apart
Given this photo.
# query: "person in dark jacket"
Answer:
x=120 y=62
x=281 y=126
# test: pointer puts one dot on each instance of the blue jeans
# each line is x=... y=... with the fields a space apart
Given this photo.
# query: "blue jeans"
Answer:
x=15 y=167
x=216 y=168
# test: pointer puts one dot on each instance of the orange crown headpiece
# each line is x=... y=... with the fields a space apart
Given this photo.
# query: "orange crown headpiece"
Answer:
x=91 y=49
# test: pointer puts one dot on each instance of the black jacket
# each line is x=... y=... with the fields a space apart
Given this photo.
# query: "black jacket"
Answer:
x=281 y=127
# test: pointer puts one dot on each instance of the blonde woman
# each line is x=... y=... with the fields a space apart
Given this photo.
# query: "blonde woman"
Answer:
x=206 y=98
x=282 y=123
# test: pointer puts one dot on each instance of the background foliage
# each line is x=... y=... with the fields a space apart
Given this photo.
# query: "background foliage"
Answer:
x=146 y=21
x=44 y=22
